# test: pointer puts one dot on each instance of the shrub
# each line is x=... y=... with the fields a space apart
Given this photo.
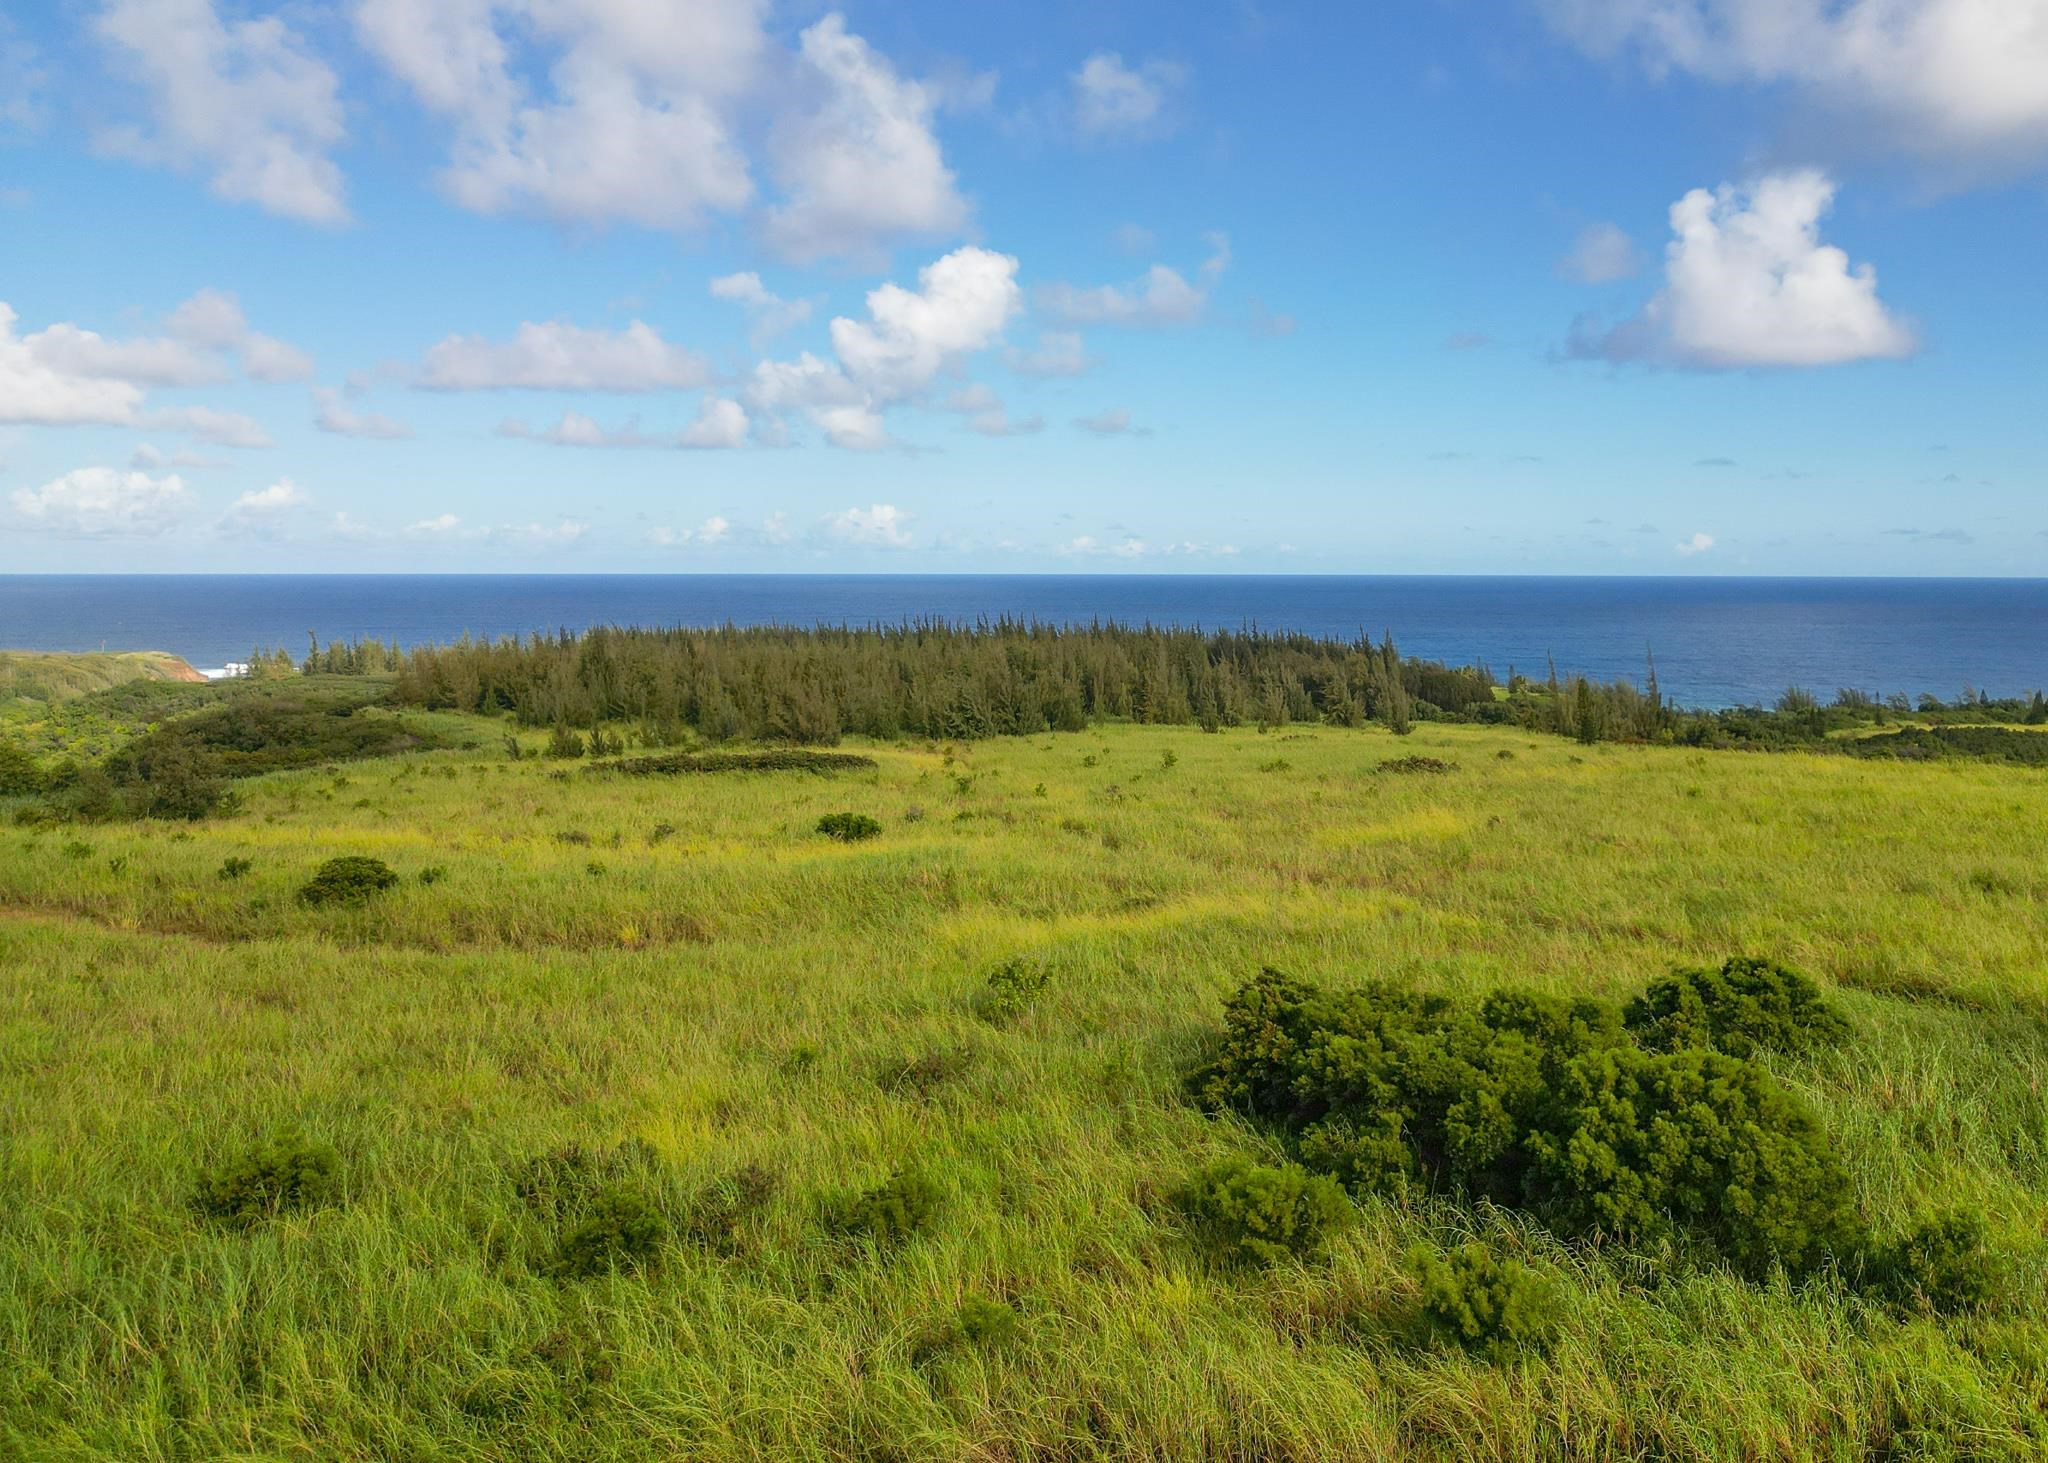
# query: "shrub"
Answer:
x=1430 y=765
x=350 y=879
x=287 y=1173
x=980 y=1323
x=660 y=833
x=621 y=1229
x=1497 y=1307
x=234 y=867
x=922 y=1075
x=432 y=874
x=1639 y=1145
x=1243 y=1211
x=849 y=827
x=1746 y=1007
x=1538 y=1103
x=1942 y=1265
x=564 y=743
x=889 y=1213
x=19 y=774
x=1012 y=987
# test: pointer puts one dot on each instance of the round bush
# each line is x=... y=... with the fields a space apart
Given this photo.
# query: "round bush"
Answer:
x=1486 y=1304
x=1244 y=1211
x=889 y=1213
x=620 y=1230
x=1746 y=1007
x=350 y=879
x=849 y=827
x=287 y=1173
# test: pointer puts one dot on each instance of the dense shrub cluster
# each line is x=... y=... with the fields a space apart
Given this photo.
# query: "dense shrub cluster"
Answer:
x=619 y=1229
x=1539 y=1103
x=1250 y=1213
x=1495 y=1306
x=350 y=879
x=849 y=827
x=286 y=1173
x=888 y=1214
x=1011 y=988
x=1746 y=1007
x=1943 y=1265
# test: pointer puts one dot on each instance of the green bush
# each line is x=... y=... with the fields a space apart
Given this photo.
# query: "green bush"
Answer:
x=889 y=1213
x=350 y=879
x=621 y=1229
x=1537 y=1103
x=287 y=1173
x=1746 y=1007
x=1244 y=1211
x=1498 y=1308
x=564 y=743
x=234 y=867
x=849 y=827
x=19 y=774
x=1641 y=1145
x=1943 y=1265
x=1012 y=987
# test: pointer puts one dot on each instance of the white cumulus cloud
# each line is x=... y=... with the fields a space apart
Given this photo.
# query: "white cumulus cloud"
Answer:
x=1953 y=79
x=1114 y=100
x=1163 y=296
x=557 y=356
x=882 y=526
x=1699 y=543
x=334 y=414
x=1601 y=254
x=103 y=502
x=1748 y=282
x=242 y=100
x=213 y=320
x=771 y=314
x=864 y=167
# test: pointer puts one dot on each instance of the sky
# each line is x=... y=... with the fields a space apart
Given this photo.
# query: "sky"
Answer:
x=1023 y=286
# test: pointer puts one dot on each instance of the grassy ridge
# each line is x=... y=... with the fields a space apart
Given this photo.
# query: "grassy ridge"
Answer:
x=739 y=990
x=36 y=675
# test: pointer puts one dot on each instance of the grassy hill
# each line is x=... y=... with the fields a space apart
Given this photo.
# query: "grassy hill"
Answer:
x=676 y=987
x=34 y=675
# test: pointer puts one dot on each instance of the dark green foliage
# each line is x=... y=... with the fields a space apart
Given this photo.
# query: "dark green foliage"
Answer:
x=933 y=679
x=432 y=874
x=19 y=774
x=1012 y=987
x=559 y=1184
x=849 y=827
x=1993 y=743
x=785 y=759
x=565 y=743
x=1496 y=1307
x=283 y=1175
x=620 y=1229
x=887 y=1214
x=234 y=868
x=980 y=1324
x=350 y=879
x=1746 y=1007
x=1640 y=1146
x=1943 y=1265
x=1538 y=1103
x=269 y=730
x=1429 y=765
x=1246 y=1212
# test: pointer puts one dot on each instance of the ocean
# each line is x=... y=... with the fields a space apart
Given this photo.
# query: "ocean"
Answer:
x=1717 y=641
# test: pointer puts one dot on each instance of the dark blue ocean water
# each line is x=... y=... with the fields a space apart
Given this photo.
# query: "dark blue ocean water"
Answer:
x=1718 y=642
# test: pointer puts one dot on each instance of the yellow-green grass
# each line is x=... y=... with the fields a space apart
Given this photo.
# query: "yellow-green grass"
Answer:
x=735 y=993
x=58 y=676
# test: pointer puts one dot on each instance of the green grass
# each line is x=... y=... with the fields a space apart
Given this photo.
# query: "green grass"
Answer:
x=57 y=676
x=744 y=995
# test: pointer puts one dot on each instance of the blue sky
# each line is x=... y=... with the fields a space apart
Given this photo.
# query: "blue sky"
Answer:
x=1489 y=286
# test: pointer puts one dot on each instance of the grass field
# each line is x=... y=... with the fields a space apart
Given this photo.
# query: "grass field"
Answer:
x=684 y=962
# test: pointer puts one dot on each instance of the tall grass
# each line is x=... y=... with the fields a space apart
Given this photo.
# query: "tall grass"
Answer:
x=741 y=991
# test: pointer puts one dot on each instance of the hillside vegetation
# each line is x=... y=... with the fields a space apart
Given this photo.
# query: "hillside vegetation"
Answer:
x=35 y=675
x=454 y=1102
